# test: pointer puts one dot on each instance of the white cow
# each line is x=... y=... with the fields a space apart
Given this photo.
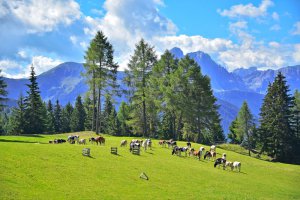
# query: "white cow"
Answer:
x=236 y=165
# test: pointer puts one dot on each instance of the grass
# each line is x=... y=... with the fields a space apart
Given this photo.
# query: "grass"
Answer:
x=30 y=168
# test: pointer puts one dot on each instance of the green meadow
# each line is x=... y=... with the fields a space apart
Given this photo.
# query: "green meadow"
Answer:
x=31 y=168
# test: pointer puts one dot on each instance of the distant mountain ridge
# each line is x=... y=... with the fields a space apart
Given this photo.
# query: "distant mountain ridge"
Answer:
x=258 y=81
x=221 y=79
x=65 y=83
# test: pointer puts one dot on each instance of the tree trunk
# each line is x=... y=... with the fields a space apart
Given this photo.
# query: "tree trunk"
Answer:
x=94 y=103
x=98 y=112
x=144 y=116
x=178 y=126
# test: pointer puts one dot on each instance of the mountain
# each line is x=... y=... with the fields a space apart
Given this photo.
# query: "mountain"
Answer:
x=228 y=113
x=221 y=79
x=236 y=98
x=258 y=80
x=63 y=82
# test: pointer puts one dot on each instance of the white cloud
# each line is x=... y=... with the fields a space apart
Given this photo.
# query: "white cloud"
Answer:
x=274 y=44
x=22 y=54
x=193 y=43
x=43 y=64
x=296 y=54
x=126 y=22
x=296 y=30
x=73 y=39
x=7 y=64
x=15 y=69
x=248 y=10
x=275 y=16
x=275 y=27
x=40 y=16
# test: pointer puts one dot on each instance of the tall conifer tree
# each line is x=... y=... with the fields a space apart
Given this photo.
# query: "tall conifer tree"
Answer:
x=101 y=71
x=137 y=79
x=3 y=92
x=34 y=107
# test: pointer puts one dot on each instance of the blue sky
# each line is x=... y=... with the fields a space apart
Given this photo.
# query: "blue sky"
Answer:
x=237 y=34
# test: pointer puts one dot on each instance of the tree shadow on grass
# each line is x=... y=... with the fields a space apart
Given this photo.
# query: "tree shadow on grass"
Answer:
x=21 y=141
x=32 y=135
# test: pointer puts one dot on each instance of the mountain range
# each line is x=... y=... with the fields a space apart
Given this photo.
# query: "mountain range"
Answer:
x=65 y=83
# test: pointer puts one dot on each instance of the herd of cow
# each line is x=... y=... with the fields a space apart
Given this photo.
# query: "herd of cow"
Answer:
x=211 y=154
x=176 y=150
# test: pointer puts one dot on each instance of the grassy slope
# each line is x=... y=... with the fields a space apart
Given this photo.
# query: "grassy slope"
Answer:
x=29 y=170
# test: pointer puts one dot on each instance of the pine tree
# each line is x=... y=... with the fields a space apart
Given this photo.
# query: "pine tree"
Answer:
x=123 y=118
x=111 y=123
x=66 y=118
x=295 y=121
x=108 y=109
x=245 y=127
x=101 y=71
x=3 y=92
x=137 y=79
x=50 y=118
x=78 y=116
x=57 y=117
x=275 y=134
x=17 y=119
x=196 y=104
x=233 y=131
x=88 y=106
x=34 y=107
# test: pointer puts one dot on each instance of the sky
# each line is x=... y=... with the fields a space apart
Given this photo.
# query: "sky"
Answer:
x=236 y=34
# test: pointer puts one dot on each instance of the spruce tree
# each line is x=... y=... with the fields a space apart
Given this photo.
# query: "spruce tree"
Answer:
x=196 y=104
x=34 y=110
x=17 y=118
x=245 y=127
x=162 y=95
x=66 y=118
x=123 y=118
x=3 y=92
x=233 y=129
x=88 y=106
x=50 y=118
x=275 y=133
x=78 y=116
x=57 y=117
x=137 y=80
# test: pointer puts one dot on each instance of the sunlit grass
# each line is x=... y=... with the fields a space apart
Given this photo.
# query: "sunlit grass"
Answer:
x=30 y=168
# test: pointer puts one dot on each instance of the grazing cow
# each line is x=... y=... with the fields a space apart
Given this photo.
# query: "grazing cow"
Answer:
x=188 y=144
x=82 y=141
x=59 y=141
x=147 y=144
x=201 y=151
x=228 y=164
x=171 y=143
x=236 y=165
x=213 y=148
x=92 y=140
x=220 y=161
x=50 y=142
x=162 y=143
x=176 y=151
x=100 y=140
x=224 y=156
x=123 y=143
x=73 y=138
x=210 y=154
x=134 y=145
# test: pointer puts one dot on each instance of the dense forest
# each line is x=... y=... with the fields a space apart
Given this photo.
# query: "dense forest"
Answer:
x=167 y=98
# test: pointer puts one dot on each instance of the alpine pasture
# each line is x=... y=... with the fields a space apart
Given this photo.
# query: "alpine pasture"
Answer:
x=31 y=168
